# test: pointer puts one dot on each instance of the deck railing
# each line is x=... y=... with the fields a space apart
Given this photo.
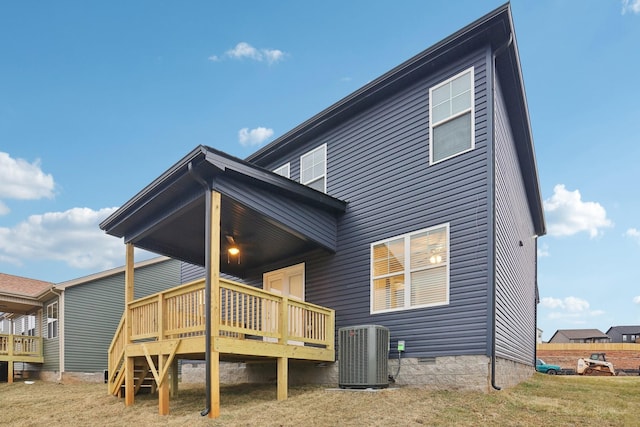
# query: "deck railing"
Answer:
x=20 y=346
x=244 y=311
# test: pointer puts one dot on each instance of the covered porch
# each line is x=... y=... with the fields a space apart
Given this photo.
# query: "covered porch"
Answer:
x=204 y=205
x=21 y=322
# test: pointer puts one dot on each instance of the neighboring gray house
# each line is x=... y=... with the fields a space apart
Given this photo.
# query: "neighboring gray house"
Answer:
x=431 y=224
x=579 y=336
x=76 y=322
x=624 y=334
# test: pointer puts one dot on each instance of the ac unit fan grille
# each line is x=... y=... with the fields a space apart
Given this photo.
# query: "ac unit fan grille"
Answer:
x=363 y=356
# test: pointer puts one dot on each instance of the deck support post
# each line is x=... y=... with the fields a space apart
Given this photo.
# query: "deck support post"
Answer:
x=10 y=364
x=283 y=378
x=129 y=386
x=213 y=270
x=163 y=387
x=174 y=378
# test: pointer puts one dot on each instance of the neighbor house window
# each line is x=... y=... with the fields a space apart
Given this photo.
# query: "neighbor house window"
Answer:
x=451 y=117
x=52 y=320
x=410 y=271
x=283 y=170
x=313 y=168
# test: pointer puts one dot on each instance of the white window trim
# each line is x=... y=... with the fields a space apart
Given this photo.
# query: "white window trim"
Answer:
x=287 y=167
x=408 y=270
x=57 y=319
x=324 y=172
x=470 y=109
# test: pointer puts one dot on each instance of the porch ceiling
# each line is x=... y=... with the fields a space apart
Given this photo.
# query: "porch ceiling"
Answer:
x=17 y=305
x=268 y=216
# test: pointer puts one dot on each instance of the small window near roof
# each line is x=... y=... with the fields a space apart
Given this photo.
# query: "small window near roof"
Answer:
x=313 y=168
x=451 y=117
x=283 y=170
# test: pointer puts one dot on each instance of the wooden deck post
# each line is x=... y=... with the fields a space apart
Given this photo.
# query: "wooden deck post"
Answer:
x=128 y=297
x=10 y=373
x=283 y=362
x=163 y=388
x=174 y=378
x=214 y=264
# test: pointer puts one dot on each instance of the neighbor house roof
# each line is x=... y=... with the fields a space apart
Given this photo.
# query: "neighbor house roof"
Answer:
x=635 y=329
x=21 y=294
x=23 y=286
x=580 y=334
x=108 y=273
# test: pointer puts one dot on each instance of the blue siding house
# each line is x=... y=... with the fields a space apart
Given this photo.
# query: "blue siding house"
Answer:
x=413 y=203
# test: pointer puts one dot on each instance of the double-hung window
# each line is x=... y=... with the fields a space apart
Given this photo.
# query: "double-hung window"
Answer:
x=410 y=271
x=283 y=170
x=313 y=168
x=451 y=117
x=52 y=320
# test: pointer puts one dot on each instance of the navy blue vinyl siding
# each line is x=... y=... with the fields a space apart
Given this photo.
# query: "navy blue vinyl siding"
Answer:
x=515 y=249
x=92 y=311
x=378 y=161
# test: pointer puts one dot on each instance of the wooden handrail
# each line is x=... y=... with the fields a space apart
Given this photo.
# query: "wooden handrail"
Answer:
x=20 y=345
x=244 y=310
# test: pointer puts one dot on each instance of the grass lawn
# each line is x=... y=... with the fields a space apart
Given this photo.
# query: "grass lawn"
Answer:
x=544 y=400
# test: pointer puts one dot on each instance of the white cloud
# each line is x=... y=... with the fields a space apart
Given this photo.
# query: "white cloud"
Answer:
x=22 y=180
x=567 y=214
x=636 y=300
x=254 y=137
x=244 y=50
x=632 y=6
x=543 y=251
x=633 y=233
x=72 y=237
x=571 y=309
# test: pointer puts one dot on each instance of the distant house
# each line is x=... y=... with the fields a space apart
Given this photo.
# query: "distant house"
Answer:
x=26 y=316
x=624 y=334
x=71 y=324
x=579 y=336
x=413 y=203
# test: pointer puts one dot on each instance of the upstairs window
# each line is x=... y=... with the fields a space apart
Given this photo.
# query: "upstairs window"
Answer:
x=410 y=271
x=313 y=168
x=52 y=320
x=283 y=170
x=451 y=117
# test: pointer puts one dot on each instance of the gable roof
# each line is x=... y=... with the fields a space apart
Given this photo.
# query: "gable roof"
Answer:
x=626 y=330
x=21 y=294
x=580 y=334
x=271 y=216
x=23 y=286
x=495 y=29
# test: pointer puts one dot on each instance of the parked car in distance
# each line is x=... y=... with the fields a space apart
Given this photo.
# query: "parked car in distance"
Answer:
x=546 y=368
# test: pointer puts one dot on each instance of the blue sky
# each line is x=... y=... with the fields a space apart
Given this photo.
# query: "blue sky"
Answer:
x=99 y=98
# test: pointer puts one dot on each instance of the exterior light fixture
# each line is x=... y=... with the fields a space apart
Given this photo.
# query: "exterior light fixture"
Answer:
x=233 y=250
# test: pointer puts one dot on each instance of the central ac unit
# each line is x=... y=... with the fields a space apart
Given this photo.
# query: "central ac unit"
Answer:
x=363 y=353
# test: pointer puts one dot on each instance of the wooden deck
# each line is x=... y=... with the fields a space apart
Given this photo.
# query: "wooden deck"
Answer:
x=20 y=348
x=246 y=323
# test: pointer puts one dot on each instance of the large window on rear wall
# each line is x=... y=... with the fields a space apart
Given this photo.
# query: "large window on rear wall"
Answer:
x=451 y=117
x=411 y=270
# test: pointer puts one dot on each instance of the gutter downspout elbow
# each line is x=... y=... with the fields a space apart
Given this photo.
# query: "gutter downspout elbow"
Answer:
x=207 y=287
x=492 y=213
